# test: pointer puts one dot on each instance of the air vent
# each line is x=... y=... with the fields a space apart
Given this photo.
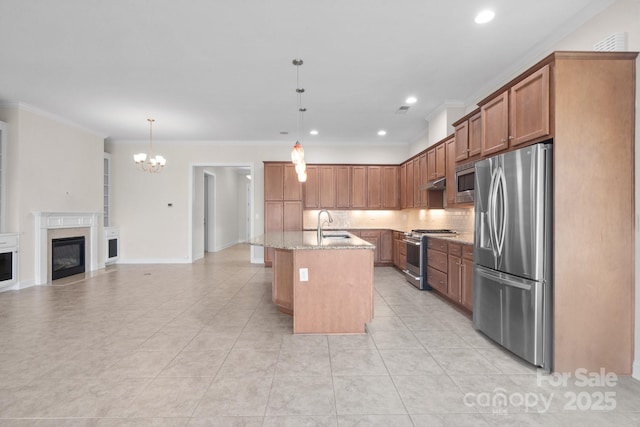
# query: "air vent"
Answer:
x=403 y=109
x=614 y=43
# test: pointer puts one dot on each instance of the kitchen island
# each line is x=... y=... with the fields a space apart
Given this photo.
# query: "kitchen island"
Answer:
x=326 y=284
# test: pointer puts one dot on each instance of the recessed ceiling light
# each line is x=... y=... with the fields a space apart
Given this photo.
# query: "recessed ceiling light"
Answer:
x=411 y=100
x=313 y=132
x=485 y=16
x=382 y=132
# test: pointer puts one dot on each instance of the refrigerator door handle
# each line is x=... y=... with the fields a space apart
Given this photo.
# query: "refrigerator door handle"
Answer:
x=502 y=189
x=491 y=211
x=503 y=279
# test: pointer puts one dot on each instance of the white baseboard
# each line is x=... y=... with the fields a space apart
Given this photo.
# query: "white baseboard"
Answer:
x=227 y=245
x=153 y=261
x=20 y=285
x=635 y=372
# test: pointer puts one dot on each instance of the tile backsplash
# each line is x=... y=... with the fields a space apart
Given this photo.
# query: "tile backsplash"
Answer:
x=457 y=219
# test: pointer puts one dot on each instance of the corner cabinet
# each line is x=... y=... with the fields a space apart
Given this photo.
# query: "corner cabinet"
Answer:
x=383 y=241
x=518 y=115
x=468 y=136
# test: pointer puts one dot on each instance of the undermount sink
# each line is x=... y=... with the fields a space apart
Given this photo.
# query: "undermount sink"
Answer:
x=336 y=235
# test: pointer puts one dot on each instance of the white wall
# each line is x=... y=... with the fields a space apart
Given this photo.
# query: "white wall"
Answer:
x=243 y=208
x=228 y=191
x=227 y=221
x=53 y=167
x=151 y=231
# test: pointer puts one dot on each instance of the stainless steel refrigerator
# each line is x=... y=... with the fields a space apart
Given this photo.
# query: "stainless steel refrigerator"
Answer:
x=512 y=278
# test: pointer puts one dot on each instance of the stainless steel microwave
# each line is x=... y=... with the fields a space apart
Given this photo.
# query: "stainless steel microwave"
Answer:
x=465 y=180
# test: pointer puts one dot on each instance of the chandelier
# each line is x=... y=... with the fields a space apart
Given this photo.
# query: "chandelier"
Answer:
x=153 y=164
x=297 y=152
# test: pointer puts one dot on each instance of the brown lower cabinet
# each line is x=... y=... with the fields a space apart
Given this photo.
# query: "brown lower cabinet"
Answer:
x=383 y=240
x=399 y=250
x=450 y=270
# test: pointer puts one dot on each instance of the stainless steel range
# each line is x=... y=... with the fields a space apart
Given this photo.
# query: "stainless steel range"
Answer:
x=416 y=272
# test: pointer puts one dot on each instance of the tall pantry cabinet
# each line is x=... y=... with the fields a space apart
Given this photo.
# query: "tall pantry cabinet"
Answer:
x=585 y=101
x=282 y=201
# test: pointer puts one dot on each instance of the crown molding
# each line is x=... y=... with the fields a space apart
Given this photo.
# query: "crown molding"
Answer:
x=49 y=115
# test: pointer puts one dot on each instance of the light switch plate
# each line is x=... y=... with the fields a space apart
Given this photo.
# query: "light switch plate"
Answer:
x=304 y=274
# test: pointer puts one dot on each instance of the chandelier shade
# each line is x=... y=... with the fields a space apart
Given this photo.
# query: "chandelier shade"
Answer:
x=154 y=164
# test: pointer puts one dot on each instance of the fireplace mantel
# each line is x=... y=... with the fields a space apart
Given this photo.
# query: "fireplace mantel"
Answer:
x=45 y=221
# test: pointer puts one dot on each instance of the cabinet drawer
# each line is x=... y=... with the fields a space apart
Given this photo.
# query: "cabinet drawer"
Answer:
x=467 y=252
x=455 y=249
x=437 y=260
x=437 y=280
x=437 y=244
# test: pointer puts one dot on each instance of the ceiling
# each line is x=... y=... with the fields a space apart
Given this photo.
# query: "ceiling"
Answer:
x=222 y=70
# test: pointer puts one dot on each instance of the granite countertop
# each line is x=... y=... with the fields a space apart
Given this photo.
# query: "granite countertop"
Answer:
x=309 y=240
x=462 y=238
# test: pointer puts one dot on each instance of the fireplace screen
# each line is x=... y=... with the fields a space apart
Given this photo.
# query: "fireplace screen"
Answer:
x=6 y=266
x=67 y=257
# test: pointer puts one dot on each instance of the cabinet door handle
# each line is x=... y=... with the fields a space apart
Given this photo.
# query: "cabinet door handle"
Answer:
x=503 y=140
x=510 y=137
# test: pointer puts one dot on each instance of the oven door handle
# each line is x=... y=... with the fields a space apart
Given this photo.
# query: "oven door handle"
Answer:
x=410 y=242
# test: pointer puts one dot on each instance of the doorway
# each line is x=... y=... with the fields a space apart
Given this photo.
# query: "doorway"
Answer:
x=221 y=208
x=209 y=212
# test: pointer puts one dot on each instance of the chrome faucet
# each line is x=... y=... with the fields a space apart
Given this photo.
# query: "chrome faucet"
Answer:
x=320 y=223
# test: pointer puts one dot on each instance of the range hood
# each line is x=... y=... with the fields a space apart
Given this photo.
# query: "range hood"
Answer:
x=438 y=184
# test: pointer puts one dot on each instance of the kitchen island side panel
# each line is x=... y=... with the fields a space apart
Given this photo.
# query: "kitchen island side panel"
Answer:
x=282 y=286
x=594 y=213
x=338 y=297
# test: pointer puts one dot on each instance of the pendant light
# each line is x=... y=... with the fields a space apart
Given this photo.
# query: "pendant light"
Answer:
x=154 y=164
x=297 y=152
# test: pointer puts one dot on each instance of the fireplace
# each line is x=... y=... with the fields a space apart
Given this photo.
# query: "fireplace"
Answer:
x=61 y=225
x=67 y=257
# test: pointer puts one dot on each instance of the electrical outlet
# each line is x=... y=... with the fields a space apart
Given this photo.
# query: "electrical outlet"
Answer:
x=304 y=274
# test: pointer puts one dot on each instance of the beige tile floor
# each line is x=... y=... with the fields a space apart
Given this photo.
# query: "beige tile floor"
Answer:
x=203 y=345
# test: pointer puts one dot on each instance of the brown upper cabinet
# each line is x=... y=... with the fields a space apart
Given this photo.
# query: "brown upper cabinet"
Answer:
x=390 y=187
x=320 y=188
x=519 y=114
x=436 y=162
x=403 y=185
x=281 y=182
x=468 y=135
x=343 y=187
x=416 y=180
x=274 y=181
x=450 y=192
x=311 y=196
x=359 y=187
x=431 y=164
x=374 y=187
x=441 y=157
x=410 y=196
x=327 y=186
